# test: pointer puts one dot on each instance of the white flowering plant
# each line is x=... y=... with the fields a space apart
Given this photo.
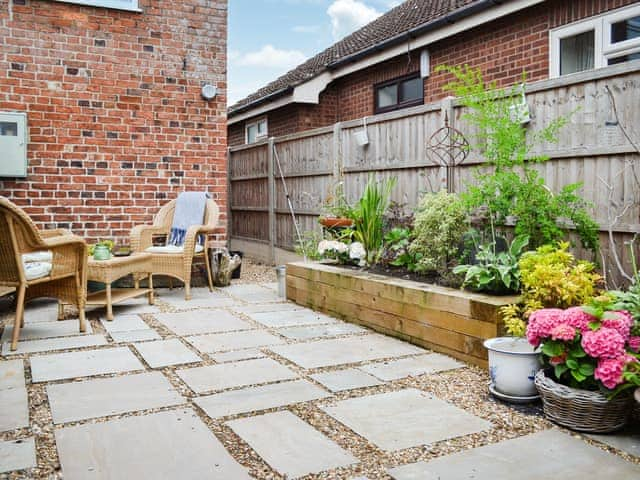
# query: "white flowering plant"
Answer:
x=346 y=253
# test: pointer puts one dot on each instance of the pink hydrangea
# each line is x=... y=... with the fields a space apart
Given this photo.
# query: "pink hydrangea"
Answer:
x=563 y=332
x=634 y=344
x=540 y=324
x=603 y=343
x=621 y=322
x=577 y=318
x=609 y=371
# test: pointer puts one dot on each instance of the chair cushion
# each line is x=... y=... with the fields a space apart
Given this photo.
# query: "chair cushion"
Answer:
x=34 y=270
x=43 y=256
x=171 y=249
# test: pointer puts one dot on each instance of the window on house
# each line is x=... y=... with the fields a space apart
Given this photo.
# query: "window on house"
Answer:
x=118 y=4
x=597 y=42
x=399 y=93
x=255 y=131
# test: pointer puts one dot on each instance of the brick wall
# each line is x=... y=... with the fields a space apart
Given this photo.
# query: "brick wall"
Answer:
x=502 y=49
x=117 y=126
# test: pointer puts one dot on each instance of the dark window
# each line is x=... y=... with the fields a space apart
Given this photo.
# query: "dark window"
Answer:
x=399 y=93
x=577 y=53
x=625 y=30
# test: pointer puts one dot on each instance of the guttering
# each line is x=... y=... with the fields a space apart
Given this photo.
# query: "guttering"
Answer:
x=265 y=99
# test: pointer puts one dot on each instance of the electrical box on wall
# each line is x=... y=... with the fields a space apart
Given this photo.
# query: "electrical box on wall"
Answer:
x=13 y=144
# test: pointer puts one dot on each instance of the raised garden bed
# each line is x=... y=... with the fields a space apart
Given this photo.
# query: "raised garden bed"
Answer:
x=443 y=319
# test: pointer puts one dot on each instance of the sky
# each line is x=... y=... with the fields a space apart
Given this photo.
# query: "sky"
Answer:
x=270 y=37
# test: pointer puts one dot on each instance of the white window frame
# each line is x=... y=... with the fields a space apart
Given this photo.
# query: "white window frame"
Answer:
x=256 y=124
x=603 y=48
x=129 y=5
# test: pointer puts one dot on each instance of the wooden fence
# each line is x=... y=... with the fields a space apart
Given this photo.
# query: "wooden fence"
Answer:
x=598 y=147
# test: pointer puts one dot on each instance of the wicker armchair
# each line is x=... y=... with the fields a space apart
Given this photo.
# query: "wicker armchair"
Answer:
x=177 y=264
x=64 y=277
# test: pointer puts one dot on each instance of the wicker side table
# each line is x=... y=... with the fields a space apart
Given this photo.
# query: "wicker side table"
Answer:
x=108 y=271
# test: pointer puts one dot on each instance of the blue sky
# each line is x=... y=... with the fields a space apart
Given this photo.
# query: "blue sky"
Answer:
x=269 y=37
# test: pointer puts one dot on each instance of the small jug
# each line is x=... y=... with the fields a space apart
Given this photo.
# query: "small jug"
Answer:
x=101 y=252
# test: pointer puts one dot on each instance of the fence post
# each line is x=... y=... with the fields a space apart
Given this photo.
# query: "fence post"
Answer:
x=229 y=198
x=271 y=193
x=336 y=151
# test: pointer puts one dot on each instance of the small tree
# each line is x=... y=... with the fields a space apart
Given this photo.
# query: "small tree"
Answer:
x=513 y=187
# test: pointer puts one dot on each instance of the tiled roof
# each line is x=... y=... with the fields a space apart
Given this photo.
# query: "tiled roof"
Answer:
x=399 y=20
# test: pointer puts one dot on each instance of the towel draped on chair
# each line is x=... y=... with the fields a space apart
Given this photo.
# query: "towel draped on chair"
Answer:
x=190 y=209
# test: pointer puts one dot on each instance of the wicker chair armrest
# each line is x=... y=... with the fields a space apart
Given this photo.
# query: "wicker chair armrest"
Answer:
x=69 y=254
x=191 y=237
x=141 y=236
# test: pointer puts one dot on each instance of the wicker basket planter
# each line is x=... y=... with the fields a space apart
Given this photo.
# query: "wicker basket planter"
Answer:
x=582 y=410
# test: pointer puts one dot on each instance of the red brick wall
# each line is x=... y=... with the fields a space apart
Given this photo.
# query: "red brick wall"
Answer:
x=502 y=49
x=117 y=125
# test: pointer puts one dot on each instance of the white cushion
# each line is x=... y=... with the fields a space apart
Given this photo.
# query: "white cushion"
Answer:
x=34 y=270
x=171 y=249
x=43 y=256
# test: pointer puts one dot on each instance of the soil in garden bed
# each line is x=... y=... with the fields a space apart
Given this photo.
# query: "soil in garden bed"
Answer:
x=450 y=280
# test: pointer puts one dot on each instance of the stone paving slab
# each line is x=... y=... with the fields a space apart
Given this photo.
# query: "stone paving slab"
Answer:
x=266 y=307
x=124 y=323
x=235 y=356
x=291 y=446
x=411 y=367
x=548 y=454
x=163 y=353
x=403 y=419
x=291 y=318
x=320 y=331
x=252 y=293
x=40 y=310
x=270 y=285
x=259 y=398
x=33 y=331
x=131 y=306
x=348 y=379
x=52 y=344
x=14 y=409
x=76 y=401
x=60 y=366
x=628 y=440
x=17 y=455
x=11 y=374
x=135 y=336
x=325 y=353
x=221 y=342
x=237 y=374
x=200 y=298
x=202 y=321
x=160 y=446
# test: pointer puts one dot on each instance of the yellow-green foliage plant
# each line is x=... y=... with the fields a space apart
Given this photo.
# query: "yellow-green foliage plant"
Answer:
x=550 y=277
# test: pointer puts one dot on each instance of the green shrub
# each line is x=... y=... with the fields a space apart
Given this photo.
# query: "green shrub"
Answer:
x=440 y=221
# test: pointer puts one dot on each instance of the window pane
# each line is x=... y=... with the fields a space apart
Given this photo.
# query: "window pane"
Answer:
x=577 y=52
x=8 y=129
x=624 y=58
x=252 y=131
x=625 y=30
x=387 y=96
x=411 y=90
x=262 y=127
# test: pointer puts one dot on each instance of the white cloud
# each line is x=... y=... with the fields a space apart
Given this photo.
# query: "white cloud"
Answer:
x=349 y=15
x=270 y=57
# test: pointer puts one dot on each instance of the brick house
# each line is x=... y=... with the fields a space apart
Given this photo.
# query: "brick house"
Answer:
x=389 y=63
x=116 y=122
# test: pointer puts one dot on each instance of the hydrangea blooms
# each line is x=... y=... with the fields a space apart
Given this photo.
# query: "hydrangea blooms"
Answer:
x=346 y=253
x=584 y=350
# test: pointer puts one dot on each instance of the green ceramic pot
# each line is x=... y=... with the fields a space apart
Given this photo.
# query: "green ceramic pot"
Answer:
x=101 y=252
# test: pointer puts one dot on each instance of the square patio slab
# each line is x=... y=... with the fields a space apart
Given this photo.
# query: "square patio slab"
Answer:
x=253 y=399
x=11 y=374
x=221 y=342
x=411 y=367
x=17 y=455
x=202 y=321
x=131 y=306
x=14 y=406
x=160 y=446
x=235 y=356
x=60 y=366
x=252 y=293
x=163 y=353
x=52 y=344
x=266 y=307
x=270 y=285
x=291 y=318
x=291 y=446
x=33 y=331
x=548 y=454
x=135 y=336
x=40 y=310
x=124 y=323
x=71 y=402
x=200 y=298
x=340 y=351
x=404 y=419
x=320 y=331
x=628 y=440
x=237 y=374
x=348 y=379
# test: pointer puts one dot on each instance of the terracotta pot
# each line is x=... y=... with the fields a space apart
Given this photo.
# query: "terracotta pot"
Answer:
x=336 y=222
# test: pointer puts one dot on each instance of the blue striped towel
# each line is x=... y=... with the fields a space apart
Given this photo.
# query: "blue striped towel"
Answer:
x=190 y=208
